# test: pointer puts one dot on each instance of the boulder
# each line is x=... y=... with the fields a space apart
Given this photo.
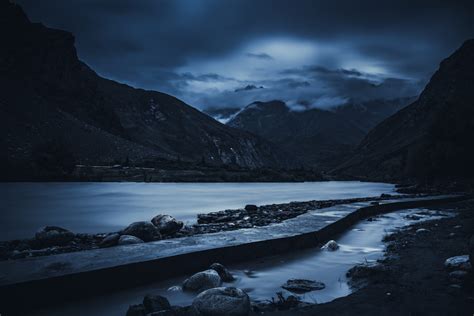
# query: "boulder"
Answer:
x=110 y=240
x=54 y=236
x=302 y=286
x=201 y=281
x=458 y=263
x=146 y=231
x=225 y=275
x=129 y=240
x=166 y=224
x=229 y=301
x=331 y=246
x=136 y=310
x=155 y=303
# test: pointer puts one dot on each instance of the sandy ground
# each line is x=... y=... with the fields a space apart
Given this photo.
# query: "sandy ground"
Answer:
x=413 y=280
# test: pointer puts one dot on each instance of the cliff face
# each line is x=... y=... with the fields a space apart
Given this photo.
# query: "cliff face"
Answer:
x=52 y=101
x=431 y=139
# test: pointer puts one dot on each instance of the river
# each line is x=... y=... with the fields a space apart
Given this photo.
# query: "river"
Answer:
x=90 y=207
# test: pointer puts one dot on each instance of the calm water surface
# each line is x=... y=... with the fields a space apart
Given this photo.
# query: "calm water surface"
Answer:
x=104 y=207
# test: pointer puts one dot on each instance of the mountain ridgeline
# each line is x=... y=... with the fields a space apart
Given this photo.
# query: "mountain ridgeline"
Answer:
x=429 y=140
x=56 y=110
x=318 y=138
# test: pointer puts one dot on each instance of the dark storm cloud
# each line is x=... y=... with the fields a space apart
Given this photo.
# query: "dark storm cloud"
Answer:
x=202 y=51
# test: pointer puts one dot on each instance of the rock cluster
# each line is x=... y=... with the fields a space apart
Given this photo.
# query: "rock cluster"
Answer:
x=51 y=240
x=251 y=215
x=54 y=240
x=211 y=299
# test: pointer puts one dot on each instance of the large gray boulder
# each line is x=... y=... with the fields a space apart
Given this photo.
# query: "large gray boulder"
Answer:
x=146 y=231
x=220 y=301
x=167 y=224
x=201 y=281
x=53 y=236
x=129 y=240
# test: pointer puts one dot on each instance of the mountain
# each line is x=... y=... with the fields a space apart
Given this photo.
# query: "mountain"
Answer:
x=431 y=139
x=55 y=108
x=222 y=115
x=319 y=138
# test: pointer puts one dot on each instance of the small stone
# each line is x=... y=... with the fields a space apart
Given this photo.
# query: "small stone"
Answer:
x=167 y=224
x=422 y=231
x=155 y=303
x=202 y=281
x=225 y=275
x=458 y=263
x=331 y=246
x=302 y=286
x=175 y=288
x=229 y=301
x=129 y=240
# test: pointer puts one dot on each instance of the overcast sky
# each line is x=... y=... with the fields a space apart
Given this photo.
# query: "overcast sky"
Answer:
x=226 y=53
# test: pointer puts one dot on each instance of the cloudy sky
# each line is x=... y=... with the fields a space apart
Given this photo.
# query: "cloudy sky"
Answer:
x=227 y=53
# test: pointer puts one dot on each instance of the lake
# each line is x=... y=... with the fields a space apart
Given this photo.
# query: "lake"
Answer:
x=89 y=207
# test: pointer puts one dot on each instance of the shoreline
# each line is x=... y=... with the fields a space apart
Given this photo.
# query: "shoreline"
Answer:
x=411 y=278
x=212 y=222
x=112 y=271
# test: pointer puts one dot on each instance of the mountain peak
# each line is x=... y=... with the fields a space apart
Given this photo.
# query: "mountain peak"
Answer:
x=430 y=137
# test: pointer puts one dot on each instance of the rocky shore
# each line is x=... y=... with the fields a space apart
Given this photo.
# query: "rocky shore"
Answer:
x=51 y=240
x=426 y=271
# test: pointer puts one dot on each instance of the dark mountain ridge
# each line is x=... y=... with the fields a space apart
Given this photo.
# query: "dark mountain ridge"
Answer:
x=430 y=140
x=51 y=101
x=320 y=138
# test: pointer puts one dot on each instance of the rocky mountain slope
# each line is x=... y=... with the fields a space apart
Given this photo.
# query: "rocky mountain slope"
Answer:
x=430 y=139
x=55 y=110
x=320 y=138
